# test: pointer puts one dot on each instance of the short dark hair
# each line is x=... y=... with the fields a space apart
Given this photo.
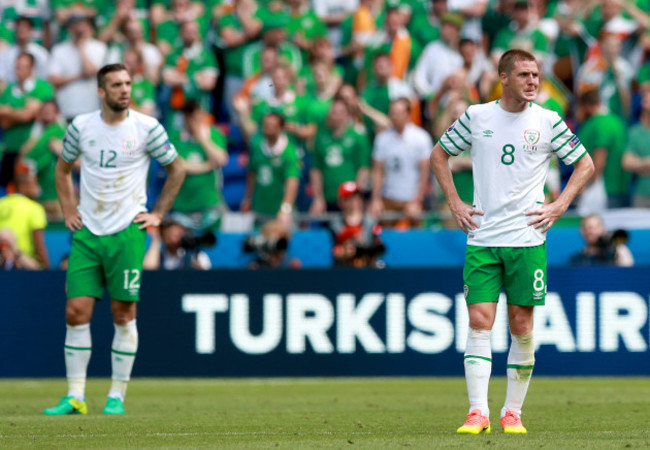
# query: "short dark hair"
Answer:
x=590 y=98
x=29 y=56
x=509 y=58
x=277 y=116
x=101 y=74
x=24 y=19
x=465 y=41
x=190 y=107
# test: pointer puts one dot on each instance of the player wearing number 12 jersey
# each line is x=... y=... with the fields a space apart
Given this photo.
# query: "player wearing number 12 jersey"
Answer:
x=115 y=145
x=511 y=142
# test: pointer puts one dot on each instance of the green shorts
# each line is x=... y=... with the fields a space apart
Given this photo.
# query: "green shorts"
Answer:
x=520 y=270
x=113 y=261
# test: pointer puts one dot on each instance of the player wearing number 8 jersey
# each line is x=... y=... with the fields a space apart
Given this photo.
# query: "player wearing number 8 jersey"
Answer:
x=115 y=145
x=511 y=142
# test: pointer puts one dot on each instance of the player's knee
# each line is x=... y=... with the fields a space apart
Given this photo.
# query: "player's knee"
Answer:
x=521 y=325
x=481 y=320
x=123 y=314
x=76 y=315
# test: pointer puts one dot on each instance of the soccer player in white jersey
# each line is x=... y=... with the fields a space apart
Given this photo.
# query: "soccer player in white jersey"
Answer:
x=115 y=145
x=511 y=141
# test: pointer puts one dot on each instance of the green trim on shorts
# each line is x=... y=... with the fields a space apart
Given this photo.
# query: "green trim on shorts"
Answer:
x=478 y=357
x=520 y=271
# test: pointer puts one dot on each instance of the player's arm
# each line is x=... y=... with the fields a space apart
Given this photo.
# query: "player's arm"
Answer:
x=65 y=192
x=38 y=236
x=318 y=205
x=175 y=176
x=376 y=202
x=439 y=161
x=548 y=214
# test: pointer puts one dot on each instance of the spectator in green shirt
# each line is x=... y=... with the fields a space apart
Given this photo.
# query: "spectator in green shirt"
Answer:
x=168 y=18
x=294 y=110
x=273 y=35
x=605 y=136
x=19 y=105
x=522 y=33
x=237 y=30
x=42 y=151
x=304 y=26
x=191 y=71
x=637 y=155
x=143 y=91
x=199 y=203
x=274 y=171
x=340 y=154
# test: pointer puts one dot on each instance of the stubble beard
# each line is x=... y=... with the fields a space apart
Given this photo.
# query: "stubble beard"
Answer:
x=115 y=106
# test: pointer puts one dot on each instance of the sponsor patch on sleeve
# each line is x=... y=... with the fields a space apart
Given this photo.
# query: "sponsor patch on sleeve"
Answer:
x=575 y=140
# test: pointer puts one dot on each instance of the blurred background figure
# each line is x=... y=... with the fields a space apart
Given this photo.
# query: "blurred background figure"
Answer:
x=199 y=204
x=20 y=103
x=601 y=247
x=41 y=152
x=400 y=165
x=340 y=154
x=270 y=247
x=357 y=240
x=174 y=247
x=73 y=67
x=24 y=35
x=274 y=170
x=11 y=258
x=24 y=217
x=637 y=156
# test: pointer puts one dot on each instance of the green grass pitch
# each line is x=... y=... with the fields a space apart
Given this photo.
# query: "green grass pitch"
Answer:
x=337 y=413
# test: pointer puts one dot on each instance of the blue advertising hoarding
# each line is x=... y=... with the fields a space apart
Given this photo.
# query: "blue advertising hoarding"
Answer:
x=342 y=322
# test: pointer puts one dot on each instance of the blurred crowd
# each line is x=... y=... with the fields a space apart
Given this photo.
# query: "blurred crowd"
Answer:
x=278 y=105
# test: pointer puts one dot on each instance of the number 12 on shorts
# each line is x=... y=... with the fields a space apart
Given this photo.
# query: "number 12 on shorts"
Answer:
x=132 y=279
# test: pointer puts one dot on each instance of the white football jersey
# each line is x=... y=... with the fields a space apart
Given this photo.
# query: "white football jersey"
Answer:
x=114 y=166
x=510 y=159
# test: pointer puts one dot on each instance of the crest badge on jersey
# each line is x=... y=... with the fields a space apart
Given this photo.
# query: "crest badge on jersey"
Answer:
x=531 y=138
x=128 y=146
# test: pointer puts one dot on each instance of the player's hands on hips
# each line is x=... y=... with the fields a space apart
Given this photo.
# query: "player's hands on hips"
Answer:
x=545 y=216
x=73 y=221
x=147 y=220
x=463 y=213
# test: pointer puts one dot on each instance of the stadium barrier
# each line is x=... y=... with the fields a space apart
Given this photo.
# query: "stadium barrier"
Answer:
x=329 y=323
x=412 y=248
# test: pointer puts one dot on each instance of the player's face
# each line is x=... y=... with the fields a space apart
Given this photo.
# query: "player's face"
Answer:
x=116 y=92
x=523 y=81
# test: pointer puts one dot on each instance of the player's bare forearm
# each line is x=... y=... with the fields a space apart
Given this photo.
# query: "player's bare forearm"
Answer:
x=548 y=214
x=439 y=161
x=65 y=192
x=175 y=176
x=582 y=172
